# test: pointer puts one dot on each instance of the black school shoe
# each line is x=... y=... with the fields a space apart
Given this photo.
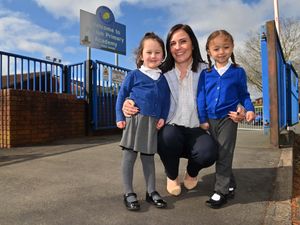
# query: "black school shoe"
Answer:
x=217 y=204
x=132 y=206
x=159 y=203
x=231 y=194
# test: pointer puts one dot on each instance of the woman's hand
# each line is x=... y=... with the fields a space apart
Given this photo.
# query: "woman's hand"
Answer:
x=128 y=108
x=237 y=116
x=160 y=124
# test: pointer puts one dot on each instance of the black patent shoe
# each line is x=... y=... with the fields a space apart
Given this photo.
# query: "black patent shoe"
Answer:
x=159 y=203
x=132 y=206
x=231 y=194
x=217 y=204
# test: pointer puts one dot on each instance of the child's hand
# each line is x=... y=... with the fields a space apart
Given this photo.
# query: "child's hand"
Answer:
x=160 y=123
x=121 y=124
x=250 y=116
x=204 y=126
x=238 y=115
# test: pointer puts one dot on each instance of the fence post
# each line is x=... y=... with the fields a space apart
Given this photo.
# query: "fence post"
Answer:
x=89 y=100
x=273 y=83
x=67 y=80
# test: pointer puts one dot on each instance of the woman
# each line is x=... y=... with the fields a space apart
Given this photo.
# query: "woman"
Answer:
x=182 y=135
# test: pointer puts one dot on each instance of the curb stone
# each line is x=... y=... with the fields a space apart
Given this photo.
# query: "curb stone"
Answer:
x=278 y=212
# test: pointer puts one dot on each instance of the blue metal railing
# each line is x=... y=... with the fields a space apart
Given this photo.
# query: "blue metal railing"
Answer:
x=265 y=81
x=287 y=84
x=26 y=73
x=292 y=98
x=106 y=83
x=76 y=80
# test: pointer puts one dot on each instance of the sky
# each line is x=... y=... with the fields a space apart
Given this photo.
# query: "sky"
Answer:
x=40 y=28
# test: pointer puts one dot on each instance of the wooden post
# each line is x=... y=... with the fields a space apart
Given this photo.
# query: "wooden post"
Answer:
x=273 y=83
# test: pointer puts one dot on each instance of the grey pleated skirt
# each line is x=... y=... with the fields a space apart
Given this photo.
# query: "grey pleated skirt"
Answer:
x=140 y=134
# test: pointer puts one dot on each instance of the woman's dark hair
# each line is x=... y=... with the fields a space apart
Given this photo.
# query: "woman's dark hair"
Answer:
x=212 y=36
x=169 y=62
x=139 y=50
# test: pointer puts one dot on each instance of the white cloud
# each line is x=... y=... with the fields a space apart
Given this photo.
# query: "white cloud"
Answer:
x=18 y=33
x=70 y=9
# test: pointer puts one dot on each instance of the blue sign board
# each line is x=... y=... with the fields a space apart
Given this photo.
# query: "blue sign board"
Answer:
x=101 y=31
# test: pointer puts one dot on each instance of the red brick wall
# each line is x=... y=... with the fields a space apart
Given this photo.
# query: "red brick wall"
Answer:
x=29 y=117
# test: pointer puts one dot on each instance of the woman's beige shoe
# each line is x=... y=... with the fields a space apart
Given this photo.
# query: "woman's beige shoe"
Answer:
x=190 y=182
x=173 y=187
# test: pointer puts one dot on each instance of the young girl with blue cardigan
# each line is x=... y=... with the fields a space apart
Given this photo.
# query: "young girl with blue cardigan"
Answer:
x=149 y=91
x=221 y=89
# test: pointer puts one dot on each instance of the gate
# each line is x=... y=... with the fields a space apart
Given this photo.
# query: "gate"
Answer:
x=280 y=86
x=106 y=83
x=103 y=80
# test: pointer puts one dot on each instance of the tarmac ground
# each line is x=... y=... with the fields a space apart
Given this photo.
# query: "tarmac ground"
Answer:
x=78 y=182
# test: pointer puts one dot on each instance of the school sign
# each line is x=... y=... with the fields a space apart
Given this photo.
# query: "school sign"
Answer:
x=102 y=32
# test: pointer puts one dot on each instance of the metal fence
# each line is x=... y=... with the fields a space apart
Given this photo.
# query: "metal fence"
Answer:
x=76 y=80
x=99 y=85
x=257 y=124
x=106 y=84
x=280 y=81
x=26 y=73
x=280 y=86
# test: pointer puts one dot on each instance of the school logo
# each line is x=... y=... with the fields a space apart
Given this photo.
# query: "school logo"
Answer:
x=105 y=15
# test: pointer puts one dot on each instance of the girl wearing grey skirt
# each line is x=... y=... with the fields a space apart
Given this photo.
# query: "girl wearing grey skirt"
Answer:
x=149 y=91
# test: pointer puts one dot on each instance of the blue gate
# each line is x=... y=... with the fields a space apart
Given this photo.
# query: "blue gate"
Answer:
x=280 y=86
x=106 y=84
x=105 y=80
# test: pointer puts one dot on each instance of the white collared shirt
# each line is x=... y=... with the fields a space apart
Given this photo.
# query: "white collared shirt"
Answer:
x=222 y=70
x=186 y=112
x=152 y=73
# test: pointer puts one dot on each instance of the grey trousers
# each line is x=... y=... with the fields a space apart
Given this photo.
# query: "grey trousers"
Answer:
x=224 y=131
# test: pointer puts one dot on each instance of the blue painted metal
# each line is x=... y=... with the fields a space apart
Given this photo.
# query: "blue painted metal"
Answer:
x=281 y=77
x=265 y=81
x=77 y=80
x=1 y=71
x=22 y=72
x=287 y=86
x=292 y=96
x=105 y=90
x=28 y=73
x=8 y=72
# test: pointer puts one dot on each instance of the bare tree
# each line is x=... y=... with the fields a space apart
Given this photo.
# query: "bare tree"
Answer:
x=249 y=56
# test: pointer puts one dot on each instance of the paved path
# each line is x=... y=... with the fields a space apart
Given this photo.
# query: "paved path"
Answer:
x=78 y=182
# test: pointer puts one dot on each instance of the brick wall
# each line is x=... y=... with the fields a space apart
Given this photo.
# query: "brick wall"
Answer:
x=29 y=117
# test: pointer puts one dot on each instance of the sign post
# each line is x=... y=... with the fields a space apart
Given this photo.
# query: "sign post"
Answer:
x=102 y=32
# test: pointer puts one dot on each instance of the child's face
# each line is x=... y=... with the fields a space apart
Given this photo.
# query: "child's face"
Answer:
x=152 y=54
x=220 y=49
